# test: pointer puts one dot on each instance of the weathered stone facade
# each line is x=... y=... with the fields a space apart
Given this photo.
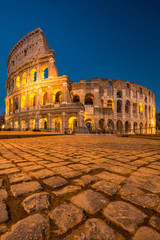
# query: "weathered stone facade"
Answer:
x=38 y=98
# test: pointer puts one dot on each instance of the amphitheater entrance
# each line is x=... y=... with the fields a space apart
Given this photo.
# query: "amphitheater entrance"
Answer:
x=56 y=124
x=43 y=123
x=89 y=124
x=72 y=124
x=32 y=124
x=127 y=127
x=23 y=125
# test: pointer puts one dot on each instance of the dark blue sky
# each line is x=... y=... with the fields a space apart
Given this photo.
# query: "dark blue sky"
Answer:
x=117 y=39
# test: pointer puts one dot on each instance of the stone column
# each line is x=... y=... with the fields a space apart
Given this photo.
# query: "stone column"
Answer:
x=64 y=96
x=49 y=121
x=81 y=119
x=64 y=122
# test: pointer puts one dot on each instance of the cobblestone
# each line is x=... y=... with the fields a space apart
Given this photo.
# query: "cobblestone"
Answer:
x=66 y=216
x=23 y=188
x=90 y=201
x=79 y=187
x=37 y=201
x=124 y=214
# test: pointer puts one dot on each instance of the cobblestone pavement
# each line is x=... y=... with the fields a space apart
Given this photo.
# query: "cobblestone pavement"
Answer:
x=80 y=187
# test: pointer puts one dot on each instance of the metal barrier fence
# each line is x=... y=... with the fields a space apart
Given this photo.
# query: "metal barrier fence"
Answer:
x=84 y=130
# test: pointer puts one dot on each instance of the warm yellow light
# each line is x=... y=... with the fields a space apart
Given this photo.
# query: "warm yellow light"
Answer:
x=32 y=100
x=110 y=103
x=23 y=102
x=153 y=123
x=24 y=78
x=18 y=82
x=141 y=107
x=72 y=123
x=32 y=74
x=3 y=126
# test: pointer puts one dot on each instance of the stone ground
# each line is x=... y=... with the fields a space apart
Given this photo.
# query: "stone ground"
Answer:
x=79 y=187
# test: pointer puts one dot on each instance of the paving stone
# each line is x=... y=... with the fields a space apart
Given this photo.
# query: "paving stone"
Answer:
x=32 y=227
x=1 y=182
x=124 y=215
x=32 y=167
x=7 y=165
x=71 y=174
x=66 y=216
x=43 y=173
x=95 y=229
x=152 y=186
x=90 y=201
x=37 y=201
x=155 y=222
x=8 y=171
x=3 y=194
x=66 y=190
x=55 y=182
x=89 y=178
x=26 y=187
x=146 y=233
x=80 y=182
x=111 y=177
x=3 y=212
x=106 y=187
x=19 y=177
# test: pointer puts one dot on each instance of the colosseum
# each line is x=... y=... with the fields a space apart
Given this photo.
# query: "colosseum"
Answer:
x=39 y=99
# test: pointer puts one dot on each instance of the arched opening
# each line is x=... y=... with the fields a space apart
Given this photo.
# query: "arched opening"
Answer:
x=141 y=107
x=149 y=111
x=72 y=124
x=43 y=123
x=16 y=125
x=44 y=98
x=134 y=107
x=89 y=124
x=119 y=126
x=135 y=127
x=11 y=105
x=146 y=111
x=119 y=94
x=141 y=127
x=101 y=124
x=32 y=98
x=18 y=82
x=110 y=103
x=33 y=75
x=23 y=125
x=58 y=97
x=110 y=125
x=127 y=106
x=89 y=99
x=76 y=99
x=57 y=124
x=24 y=78
x=119 y=106
x=127 y=127
x=23 y=102
x=32 y=124
x=44 y=72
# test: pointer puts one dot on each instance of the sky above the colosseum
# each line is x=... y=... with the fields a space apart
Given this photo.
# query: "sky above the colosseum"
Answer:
x=117 y=39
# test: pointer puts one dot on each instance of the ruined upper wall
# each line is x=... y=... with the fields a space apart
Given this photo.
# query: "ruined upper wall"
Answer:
x=30 y=47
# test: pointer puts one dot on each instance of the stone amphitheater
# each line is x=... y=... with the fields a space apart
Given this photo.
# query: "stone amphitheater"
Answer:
x=38 y=98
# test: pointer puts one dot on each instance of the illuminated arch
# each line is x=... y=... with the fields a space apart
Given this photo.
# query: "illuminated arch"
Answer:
x=57 y=124
x=127 y=106
x=134 y=106
x=43 y=123
x=32 y=98
x=24 y=78
x=23 y=125
x=72 y=123
x=110 y=103
x=33 y=75
x=23 y=102
x=44 y=71
x=16 y=125
x=44 y=98
x=141 y=107
x=32 y=124
x=89 y=99
x=90 y=124
x=57 y=96
x=18 y=82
